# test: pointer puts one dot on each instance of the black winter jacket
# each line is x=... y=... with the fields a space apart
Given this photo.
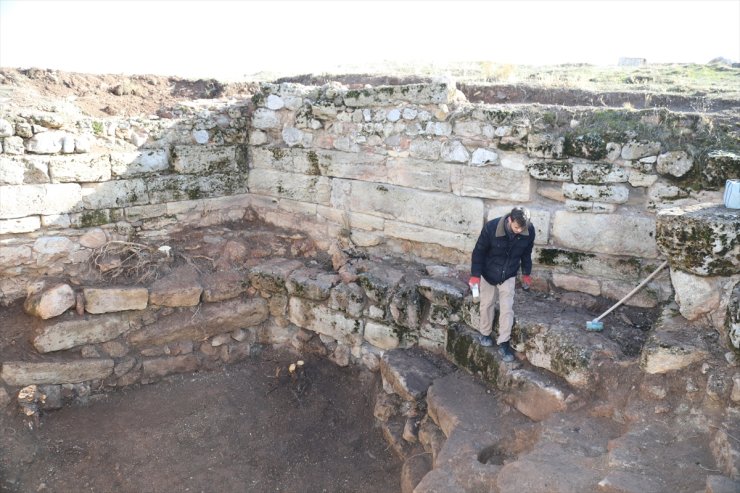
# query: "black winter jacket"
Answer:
x=497 y=256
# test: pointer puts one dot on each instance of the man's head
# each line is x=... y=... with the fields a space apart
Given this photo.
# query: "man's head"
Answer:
x=519 y=219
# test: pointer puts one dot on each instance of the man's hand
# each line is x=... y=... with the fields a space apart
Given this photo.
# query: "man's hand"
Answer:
x=526 y=282
x=474 y=280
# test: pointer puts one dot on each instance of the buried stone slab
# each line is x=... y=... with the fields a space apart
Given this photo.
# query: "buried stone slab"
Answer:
x=78 y=332
x=673 y=345
x=272 y=275
x=311 y=283
x=411 y=372
x=222 y=286
x=20 y=373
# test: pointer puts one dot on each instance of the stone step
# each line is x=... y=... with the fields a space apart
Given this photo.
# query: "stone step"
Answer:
x=532 y=392
x=409 y=373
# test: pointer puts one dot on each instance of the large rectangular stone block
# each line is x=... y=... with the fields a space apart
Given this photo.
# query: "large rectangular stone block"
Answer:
x=173 y=188
x=615 y=234
x=465 y=242
x=24 y=200
x=127 y=164
x=112 y=194
x=73 y=333
x=304 y=188
x=433 y=210
x=105 y=300
x=19 y=373
x=201 y=159
x=24 y=170
x=20 y=225
x=419 y=174
x=318 y=318
x=491 y=182
x=80 y=168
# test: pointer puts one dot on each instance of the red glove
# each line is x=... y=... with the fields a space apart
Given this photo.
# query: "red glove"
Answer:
x=474 y=280
x=526 y=281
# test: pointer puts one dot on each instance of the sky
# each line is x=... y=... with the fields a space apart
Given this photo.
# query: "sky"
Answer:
x=231 y=39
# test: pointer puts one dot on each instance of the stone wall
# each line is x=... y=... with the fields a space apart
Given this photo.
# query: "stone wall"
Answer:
x=411 y=170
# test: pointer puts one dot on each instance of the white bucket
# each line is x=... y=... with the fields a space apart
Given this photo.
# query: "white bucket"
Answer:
x=732 y=194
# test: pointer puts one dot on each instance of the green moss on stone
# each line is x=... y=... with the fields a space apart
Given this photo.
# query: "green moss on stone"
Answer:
x=93 y=218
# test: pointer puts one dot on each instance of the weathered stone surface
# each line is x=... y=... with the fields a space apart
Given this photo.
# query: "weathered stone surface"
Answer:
x=421 y=234
x=410 y=372
x=78 y=332
x=674 y=163
x=725 y=447
x=491 y=182
x=379 y=281
x=418 y=173
x=595 y=174
x=273 y=275
x=406 y=304
x=731 y=330
x=349 y=298
x=83 y=168
x=673 y=345
x=23 y=170
x=174 y=188
x=434 y=210
x=19 y=373
x=294 y=186
x=311 y=283
x=696 y=295
x=179 y=288
x=614 y=234
x=534 y=395
x=719 y=167
x=443 y=291
x=701 y=239
x=20 y=225
x=545 y=146
x=118 y=193
x=201 y=159
x=50 y=302
x=46 y=142
x=221 y=286
x=25 y=200
x=382 y=336
x=551 y=170
x=160 y=367
x=50 y=249
x=105 y=300
x=610 y=194
x=323 y=320
x=413 y=470
x=629 y=482
x=722 y=484
x=576 y=283
x=134 y=163
x=211 y=319
x=637 y=150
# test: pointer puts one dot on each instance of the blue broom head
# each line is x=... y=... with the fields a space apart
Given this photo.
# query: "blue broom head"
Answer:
x=594 y=325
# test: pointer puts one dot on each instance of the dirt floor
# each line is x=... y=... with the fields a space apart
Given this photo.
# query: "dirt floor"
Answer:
x=237 y=430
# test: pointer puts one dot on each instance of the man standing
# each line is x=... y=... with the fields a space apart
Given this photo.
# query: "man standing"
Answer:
x=504 y=244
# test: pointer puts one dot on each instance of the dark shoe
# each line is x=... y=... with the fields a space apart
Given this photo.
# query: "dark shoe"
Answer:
x=485 y=341
x=504 y=349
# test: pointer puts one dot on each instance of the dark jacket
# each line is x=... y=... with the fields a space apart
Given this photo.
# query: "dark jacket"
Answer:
x=497 y=255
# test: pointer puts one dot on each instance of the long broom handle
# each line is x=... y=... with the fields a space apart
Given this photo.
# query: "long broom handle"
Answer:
x=631 y=292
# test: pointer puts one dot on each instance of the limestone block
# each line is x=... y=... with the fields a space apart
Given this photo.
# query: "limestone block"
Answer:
x=455 y=152
x=576 y=283
x=647 y=297
x=483 y=157
x=272 y=275
x=551 y=170
x=433 y=210
x=211 y=319
x=50 y=302
x=610 y=194
x=379 y=280
x=595 y=174
x=127 y=164
x=438 y=128
x=25 y=200
x=6 y=128
x=640 y=179
x=423 y=148
x=179 y=288
x=701 y=239
x=112 y=194
x=349 y=298
x=592 y=207
x=434 y=93
x=662 y=195
x=46 y=142
x=447 y=292
x=545 y=146
x=172 y=188
x=323 y=320
x=23 y=170
x=674 y=344
x=634 y=235
x=406 y=304
x=87 y=168
x=202 y=159
x=381 y=335
x=419 y=174
x=94 y=238
x=13 y=145
x=719 y=167
x=540 y=219
x=637 y=150
x=311 y=283
x=265 y=119
x=19 y=373
x=732 y=321
x=81 y=331
x=674 y=163
x=112 y=299
x=491 y=182
x=221 y=286
x=458 y=241
x=56 y=221
x=314 y=189
x=11 y=256
x=409 y=373
x=20 y=225
x=465 y=128
x=696 y=295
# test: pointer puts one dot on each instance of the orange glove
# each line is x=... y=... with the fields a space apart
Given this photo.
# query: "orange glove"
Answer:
x=526 y=281
x=474 y=280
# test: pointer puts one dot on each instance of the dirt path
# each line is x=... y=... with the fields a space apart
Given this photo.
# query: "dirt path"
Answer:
x=237 y=430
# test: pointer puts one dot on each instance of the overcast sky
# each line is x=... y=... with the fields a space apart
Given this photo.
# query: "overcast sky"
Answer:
x=231 y=39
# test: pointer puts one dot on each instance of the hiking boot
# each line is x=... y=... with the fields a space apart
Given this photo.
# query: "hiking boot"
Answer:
x=504 y=349
x=485 y=341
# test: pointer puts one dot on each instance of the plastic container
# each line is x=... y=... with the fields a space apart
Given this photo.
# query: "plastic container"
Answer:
x=475 y=289
x=732 y=194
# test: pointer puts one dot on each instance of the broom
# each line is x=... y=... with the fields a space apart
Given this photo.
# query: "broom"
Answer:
x=597 y=326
